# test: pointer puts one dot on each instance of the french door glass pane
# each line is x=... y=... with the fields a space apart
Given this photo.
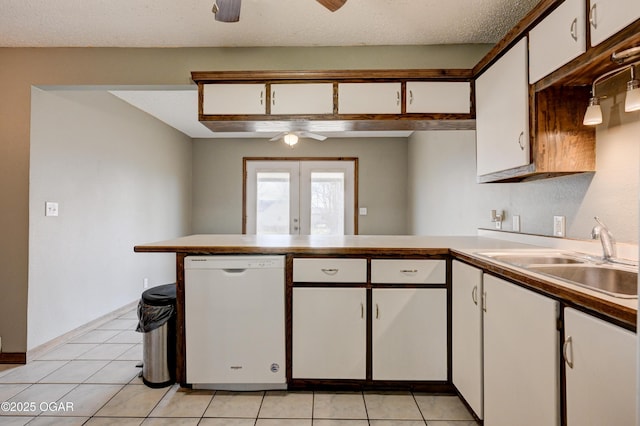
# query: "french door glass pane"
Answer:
x=272 y=207
x=327 y=203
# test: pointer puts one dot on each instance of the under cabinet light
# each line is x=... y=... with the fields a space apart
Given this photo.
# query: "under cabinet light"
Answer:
x=632 y=99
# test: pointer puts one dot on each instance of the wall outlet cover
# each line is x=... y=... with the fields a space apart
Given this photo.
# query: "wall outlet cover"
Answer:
x=516 y=223
x=559 y=226
x=50 y=208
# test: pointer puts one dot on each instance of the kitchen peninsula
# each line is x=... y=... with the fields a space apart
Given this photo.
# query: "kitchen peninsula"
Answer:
x=402 y=249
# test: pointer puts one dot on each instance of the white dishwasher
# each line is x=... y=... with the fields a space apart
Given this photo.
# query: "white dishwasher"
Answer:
x=234 y=322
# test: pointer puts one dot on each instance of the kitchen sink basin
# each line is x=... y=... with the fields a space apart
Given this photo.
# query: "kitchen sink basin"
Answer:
x=616 y=282
x=525 y=259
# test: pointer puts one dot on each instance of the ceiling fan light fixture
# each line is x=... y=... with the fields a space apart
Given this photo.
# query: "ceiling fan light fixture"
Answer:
x=291 y=139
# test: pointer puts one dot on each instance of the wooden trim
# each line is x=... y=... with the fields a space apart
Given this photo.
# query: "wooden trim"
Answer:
x=181 y=345
x=13 y=357
x=245 y=160
x=449 y=74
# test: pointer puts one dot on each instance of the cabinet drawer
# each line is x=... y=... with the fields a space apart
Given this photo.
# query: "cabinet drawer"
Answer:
x=330 y=270
x=410 y=271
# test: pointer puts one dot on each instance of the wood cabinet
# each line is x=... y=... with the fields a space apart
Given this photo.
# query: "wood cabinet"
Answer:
x=606 y=17
x=409 y=334
x=502 y=113
x=369 y=98
x=329 y=333
x=600 y=371
x=302 y=98
x=558 y=39
x=438 y=97
x=521 y=361
x=466 y=325
x=232 y=99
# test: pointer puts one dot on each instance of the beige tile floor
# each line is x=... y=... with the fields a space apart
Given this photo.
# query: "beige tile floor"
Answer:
x=93 y=380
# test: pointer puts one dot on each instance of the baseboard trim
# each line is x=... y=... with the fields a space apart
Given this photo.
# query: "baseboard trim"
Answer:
x=13 y=358
x=45 y=347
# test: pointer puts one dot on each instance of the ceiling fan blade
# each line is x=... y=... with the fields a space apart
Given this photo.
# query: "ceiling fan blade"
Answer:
x=227 y=10
x=332 y=5
x=277 y=137
x=312 y=136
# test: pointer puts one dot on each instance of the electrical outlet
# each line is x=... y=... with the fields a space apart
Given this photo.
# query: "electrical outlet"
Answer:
x=516 y=223
x=145 y=283
x=559 y=226
x=50 y=208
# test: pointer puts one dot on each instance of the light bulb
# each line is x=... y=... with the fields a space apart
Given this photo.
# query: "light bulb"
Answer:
x=290 y=139
x=593 y=115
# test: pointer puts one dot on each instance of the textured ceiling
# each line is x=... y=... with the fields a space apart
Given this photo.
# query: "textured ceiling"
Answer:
x=190 y=23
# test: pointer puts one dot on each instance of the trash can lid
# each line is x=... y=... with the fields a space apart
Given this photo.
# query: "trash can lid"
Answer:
x=160 y=295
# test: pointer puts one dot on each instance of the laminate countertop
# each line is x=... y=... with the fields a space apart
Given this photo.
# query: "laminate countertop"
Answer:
x=468 y=249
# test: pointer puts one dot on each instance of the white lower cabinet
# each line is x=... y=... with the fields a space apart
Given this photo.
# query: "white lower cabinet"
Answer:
x=521 y=356
x=329 y=333
x=600 y=371
x=466 y=333
x=409 y=334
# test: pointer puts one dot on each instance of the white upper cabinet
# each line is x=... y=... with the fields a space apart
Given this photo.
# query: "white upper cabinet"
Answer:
x=369 y=98
x=312 y=98
x=446 y=97
x=607 y=17
x=502 y=113
x=237 y=99
x=558 y=39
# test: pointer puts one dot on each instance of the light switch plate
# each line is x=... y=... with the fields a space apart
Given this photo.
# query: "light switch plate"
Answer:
x=363 y=211
x=559 y=225
x=50 y=208
x=516 y=223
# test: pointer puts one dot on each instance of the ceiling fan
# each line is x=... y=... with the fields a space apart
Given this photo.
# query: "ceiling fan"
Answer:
x=291 y=138
x=229 y=10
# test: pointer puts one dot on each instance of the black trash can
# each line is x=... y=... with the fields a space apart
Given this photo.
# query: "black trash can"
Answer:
x=157 y=320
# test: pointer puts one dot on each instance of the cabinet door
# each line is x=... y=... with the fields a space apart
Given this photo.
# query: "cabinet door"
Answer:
x=600 y=371
x=291 y=99
x=521 y=361
x=467 y=334
x=559 y=38
x=409 y=334
x=369 y=98
x=445 y=97
x=607 y=17
x=329 y=333
x=239 y=99
x=502 y=113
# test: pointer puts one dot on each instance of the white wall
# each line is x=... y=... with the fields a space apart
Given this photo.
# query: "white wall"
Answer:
x=217 y=179
x=121 y=178
x=444 y=198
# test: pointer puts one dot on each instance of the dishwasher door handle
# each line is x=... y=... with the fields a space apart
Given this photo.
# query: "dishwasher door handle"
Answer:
x=235 y=270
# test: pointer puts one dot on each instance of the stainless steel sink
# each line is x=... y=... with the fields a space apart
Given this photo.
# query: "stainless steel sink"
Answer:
x=612 y=281
x=525 y=259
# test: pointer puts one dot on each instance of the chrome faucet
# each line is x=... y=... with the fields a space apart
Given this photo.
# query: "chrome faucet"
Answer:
x=606 y=238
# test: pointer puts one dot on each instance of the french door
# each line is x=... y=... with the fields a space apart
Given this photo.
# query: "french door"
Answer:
x=308 y=197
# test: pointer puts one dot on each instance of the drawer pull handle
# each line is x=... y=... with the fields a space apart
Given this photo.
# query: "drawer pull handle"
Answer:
x=565 y=351
x=484 y=301
x=574 y=29
x=330 y=271
x=409 y=271
x=362 y=310
x=377 y=311
x=410 y=97
x=474 y=295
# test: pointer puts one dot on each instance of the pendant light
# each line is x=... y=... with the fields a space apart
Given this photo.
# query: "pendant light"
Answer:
x=632 y=99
